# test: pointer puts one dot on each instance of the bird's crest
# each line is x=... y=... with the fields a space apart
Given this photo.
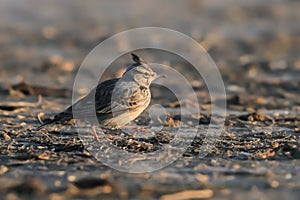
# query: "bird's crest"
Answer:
x=137 y=62
x=137 y=59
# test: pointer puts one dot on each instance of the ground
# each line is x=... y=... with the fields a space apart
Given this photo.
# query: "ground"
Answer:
x=254 y=45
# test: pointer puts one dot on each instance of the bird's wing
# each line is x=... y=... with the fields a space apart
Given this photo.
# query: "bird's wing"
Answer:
x=84 y=108
x=125 y=98
x=99 y=99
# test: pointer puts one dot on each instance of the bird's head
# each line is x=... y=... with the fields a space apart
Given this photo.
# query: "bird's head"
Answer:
x=140 y=72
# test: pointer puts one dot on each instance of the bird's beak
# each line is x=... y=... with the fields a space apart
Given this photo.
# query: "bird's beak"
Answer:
x=160 y=76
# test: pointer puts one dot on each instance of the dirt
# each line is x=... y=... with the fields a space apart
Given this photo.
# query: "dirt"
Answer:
x=256 y=156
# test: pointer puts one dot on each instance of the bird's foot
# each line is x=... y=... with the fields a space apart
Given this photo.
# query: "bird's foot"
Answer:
x=94 y=131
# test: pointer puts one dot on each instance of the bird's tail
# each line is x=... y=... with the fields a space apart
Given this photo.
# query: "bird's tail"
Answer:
x=45 y=122
x=48 y=121
x=66 y=115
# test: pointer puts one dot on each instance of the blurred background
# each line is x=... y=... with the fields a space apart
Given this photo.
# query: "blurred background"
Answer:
x=254 y=43
x=44 y=42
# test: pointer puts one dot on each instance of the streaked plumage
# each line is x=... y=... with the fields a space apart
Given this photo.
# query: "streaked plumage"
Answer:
x=117 y=101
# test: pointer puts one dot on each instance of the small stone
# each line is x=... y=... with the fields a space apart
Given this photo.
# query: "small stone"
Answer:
x=274 y=184
x=71 y=178
x=288 y=176
x=3 y=169
x=202 y=178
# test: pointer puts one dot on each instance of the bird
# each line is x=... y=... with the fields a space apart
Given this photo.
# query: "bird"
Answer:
x=116 y=101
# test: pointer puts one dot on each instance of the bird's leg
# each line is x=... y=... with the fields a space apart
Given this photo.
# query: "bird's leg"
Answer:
x=94 y=131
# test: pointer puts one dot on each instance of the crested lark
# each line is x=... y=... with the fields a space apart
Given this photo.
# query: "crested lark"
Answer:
x=117 y=101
